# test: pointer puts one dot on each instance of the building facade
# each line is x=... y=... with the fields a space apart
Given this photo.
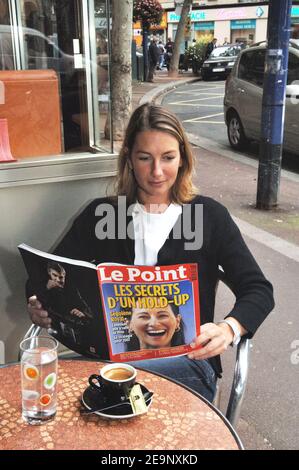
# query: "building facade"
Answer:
x=228 y=21
x=54 y=157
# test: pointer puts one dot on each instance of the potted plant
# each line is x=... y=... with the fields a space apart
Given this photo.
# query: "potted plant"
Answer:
x=197 y=54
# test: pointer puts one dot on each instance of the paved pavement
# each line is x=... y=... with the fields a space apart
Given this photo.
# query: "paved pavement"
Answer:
x=199 y=106
x=270 y=413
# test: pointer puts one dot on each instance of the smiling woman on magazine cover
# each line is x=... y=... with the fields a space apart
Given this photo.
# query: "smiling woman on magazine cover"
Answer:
x=154 y=328
x=155 y=168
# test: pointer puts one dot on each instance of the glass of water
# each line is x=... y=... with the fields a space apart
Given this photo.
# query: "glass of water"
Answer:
x=39 y=379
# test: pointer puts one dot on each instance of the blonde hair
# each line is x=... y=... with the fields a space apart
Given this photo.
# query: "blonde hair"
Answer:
x=150 y=117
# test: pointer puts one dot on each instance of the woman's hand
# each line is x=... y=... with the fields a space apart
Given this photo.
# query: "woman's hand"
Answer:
x=214 y=340
x=37 y=314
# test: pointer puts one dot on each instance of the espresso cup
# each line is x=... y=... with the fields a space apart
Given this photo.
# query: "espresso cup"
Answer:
x=114 y=380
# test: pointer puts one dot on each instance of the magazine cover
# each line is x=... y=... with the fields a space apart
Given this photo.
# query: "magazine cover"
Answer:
x=150 y=311
x=116 y=312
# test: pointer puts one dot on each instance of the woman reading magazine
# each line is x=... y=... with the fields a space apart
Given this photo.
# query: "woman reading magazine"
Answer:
x=155 y=169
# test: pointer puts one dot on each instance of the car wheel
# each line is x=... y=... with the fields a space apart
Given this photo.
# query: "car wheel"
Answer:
x=235 y=132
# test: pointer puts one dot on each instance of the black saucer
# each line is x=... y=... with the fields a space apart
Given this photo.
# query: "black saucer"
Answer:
x=93 y=399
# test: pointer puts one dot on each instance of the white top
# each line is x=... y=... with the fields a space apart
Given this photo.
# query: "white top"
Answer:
x=151 y=231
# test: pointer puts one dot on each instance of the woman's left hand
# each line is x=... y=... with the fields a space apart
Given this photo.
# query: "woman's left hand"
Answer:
x=214 y=340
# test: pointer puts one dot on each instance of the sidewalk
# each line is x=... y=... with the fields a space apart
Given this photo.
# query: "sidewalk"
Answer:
x=145 y=91
x=269 y=410
x=229 y=176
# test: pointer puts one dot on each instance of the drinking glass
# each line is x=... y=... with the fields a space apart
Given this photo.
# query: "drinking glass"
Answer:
x=39 y=379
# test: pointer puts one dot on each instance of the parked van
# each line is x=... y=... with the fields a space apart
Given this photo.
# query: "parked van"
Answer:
x=244 y=93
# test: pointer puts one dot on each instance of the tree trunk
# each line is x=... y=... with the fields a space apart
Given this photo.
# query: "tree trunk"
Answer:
x=179 y=38
x=121 y=67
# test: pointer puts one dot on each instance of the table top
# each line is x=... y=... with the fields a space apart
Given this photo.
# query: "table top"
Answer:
x=177 y=418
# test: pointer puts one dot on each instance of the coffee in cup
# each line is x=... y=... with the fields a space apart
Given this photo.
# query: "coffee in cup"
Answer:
x=114 y=379
x=118 y=373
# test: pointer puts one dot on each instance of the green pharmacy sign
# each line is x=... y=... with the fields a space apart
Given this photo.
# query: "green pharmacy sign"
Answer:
x=295 y=11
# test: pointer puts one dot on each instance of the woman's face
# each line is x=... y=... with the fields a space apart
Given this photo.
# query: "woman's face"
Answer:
x=154 y=327
x=155 y=159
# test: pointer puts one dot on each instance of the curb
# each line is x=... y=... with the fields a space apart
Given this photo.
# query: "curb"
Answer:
x=152 y=95
x=239 y=157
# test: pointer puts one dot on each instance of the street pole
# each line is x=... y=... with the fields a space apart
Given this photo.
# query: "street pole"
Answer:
x=145 y=50
x=273 y=107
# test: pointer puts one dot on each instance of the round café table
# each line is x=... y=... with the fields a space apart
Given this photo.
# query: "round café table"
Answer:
x=177 y=417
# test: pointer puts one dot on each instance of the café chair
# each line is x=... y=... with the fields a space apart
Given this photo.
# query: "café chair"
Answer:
x=239 y=382
x=240 y=376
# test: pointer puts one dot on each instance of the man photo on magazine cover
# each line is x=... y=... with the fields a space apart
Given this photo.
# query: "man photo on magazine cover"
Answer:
x=68 y=310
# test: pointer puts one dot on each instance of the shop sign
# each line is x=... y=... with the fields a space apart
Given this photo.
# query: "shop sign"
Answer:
x=195 y=16
x=259 y=12
x=295 y=11
x=204 y=26
x=101 y=23
x=230 y=14
x=243 y=24
x=161 y=25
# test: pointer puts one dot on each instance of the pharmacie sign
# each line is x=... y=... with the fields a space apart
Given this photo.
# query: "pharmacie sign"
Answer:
x=195 y=16
x=295 y=11
x=221 y=14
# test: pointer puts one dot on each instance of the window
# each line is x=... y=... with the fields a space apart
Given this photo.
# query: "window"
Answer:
x=225 y=51
x=59 y=53
x=259 y=67
x=245 y=66
x=293 y=69
x=251 y=67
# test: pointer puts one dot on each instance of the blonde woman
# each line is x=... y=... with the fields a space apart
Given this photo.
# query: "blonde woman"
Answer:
x=159 y=219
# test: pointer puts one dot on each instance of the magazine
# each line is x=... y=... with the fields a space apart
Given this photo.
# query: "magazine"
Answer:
x=114 y=311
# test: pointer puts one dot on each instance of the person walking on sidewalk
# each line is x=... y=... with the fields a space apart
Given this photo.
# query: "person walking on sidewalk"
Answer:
x=153 y=59
x=155 y=168
x=210 y=47
x=168 y=52
x=162 y=54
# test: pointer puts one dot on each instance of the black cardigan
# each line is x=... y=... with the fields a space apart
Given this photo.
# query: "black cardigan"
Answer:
x=222 y=245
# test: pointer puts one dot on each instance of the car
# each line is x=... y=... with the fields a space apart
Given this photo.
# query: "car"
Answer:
x=244 y=94
x=220 y=61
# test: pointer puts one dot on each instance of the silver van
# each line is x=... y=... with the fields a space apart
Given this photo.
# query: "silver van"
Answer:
x=244 y=93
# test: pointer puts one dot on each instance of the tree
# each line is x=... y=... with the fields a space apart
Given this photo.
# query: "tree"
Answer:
x=148 y=12
x=179 y=38
x=121 y=67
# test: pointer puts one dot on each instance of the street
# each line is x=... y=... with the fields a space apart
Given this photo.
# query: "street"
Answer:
x=199 y=105
x=269 y=412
